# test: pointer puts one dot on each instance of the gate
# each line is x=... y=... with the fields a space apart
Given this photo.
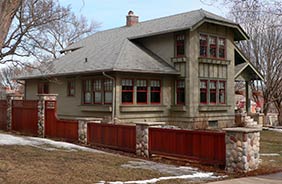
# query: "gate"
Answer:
x=25 y=116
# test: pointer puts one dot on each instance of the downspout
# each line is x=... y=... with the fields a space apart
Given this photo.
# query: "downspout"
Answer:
x=114 y=95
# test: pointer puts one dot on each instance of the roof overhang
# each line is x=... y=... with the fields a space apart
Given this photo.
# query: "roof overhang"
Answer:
x=239 y=33
x=246 y=69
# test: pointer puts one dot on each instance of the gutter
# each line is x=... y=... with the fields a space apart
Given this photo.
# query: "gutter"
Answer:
x=114 y=95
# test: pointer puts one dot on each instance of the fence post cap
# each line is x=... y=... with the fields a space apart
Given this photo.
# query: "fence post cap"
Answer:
x=148 y=123
x=242 y=129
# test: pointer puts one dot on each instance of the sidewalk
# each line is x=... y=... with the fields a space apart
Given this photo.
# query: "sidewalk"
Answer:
x=263 y=179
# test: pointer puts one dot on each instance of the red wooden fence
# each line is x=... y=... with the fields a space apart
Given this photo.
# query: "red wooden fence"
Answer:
x=55 y=128
x=120 y=137
x=3 y=114
x=25 y=116
x=205 y=147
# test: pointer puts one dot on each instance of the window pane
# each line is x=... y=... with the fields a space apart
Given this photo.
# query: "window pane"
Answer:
x=203 y=97
x=203 y=45
x=87 y=97
x=97 y=85
x=97 y=97
x=155 y=97
x=108 y=85
x=141 y=97
x=127 y=97
x=108 y=97
x=213 y=97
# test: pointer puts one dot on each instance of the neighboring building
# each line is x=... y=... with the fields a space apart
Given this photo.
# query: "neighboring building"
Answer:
x=179 y=69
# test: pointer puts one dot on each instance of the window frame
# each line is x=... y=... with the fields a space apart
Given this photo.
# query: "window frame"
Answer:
x=208 y=47
x=132 y=91
x=105 y=90
x=224 y=91
x=84 y=91
x=205 y=90
x=212 y=91
x=179 y=90
x=41 y=88
x=142 y=91
x=213 y=46
x=94 y=90
x=71 y=87
x=156 y=91
x=180 y=43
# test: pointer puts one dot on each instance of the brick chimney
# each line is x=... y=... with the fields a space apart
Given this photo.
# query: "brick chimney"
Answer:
x=131 y=19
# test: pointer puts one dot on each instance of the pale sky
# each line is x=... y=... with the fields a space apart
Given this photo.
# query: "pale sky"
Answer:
x=111 y=13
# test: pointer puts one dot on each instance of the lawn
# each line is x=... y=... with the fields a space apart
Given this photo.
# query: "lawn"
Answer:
x=33 y=160
x=271 y=150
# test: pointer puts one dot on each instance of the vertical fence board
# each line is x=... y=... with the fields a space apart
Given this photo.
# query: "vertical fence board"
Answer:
x=3 y=115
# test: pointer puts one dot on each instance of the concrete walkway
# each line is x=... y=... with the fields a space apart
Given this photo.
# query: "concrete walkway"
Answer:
x=264 y=179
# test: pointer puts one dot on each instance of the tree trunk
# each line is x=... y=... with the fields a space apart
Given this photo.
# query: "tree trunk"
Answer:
x=280 y=115
x=8 y=9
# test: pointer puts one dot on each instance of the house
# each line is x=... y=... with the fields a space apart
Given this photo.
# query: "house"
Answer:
x=178 y=69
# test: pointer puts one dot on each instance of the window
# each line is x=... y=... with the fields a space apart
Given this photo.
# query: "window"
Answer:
x=141 y=86
x=97 y=91
x=87 y=97
x=212 y=85
x=127 y=91
x=43 y=88
x=215 y=46
x=221 y=49
x=180 y=45
x=203 y=45
x=203 y=92
x=216 y=90
x=212 y=42
x=71 y=88
x=108 y=91
x=221 y=87
x=180 y=92
x=155 y=86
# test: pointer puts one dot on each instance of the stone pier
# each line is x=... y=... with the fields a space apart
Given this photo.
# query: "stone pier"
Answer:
x=242 y=149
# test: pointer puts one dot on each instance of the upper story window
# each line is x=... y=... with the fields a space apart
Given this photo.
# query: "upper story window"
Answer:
x=71 y=88
x=180 y=45
x=212 y=46
x=180 y=92
x=97 y=91
x=43 y=88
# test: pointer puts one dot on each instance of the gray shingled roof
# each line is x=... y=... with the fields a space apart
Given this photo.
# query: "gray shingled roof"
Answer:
x=113 y=50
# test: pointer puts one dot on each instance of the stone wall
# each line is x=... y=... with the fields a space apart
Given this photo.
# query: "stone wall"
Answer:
x=242 y=149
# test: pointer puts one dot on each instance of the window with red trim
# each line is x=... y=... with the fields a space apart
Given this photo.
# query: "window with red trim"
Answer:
x=213 y=45
x=221 y=88
x=221 y=48
x=108 y=91
x=155 y=88
x=180 y=92
x=71 y=88
x=203 y=45
x=127 y=91
x=180 y=45
x=87 y=96
x=204 y=91
x=212 y=86
x=141 y=86
x=43 y=88
x=97 y=91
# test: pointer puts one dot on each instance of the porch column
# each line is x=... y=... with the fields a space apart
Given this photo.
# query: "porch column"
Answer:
x=248 y=101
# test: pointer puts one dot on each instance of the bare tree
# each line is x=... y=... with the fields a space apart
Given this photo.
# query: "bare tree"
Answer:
x=7 y=76
x=8 y=8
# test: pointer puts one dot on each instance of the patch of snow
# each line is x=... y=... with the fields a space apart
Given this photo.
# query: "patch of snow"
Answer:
x=269 y=154
x=46 y=144
x=198 y=175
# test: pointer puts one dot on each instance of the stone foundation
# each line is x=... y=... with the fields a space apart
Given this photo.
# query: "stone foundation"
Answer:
x=242 y=149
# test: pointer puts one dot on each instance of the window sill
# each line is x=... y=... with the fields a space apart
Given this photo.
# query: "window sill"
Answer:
x=95 y=108
x=212 y=108
x=178 y=108
x=142 y=108
x=214 y=61
x=179 y=59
